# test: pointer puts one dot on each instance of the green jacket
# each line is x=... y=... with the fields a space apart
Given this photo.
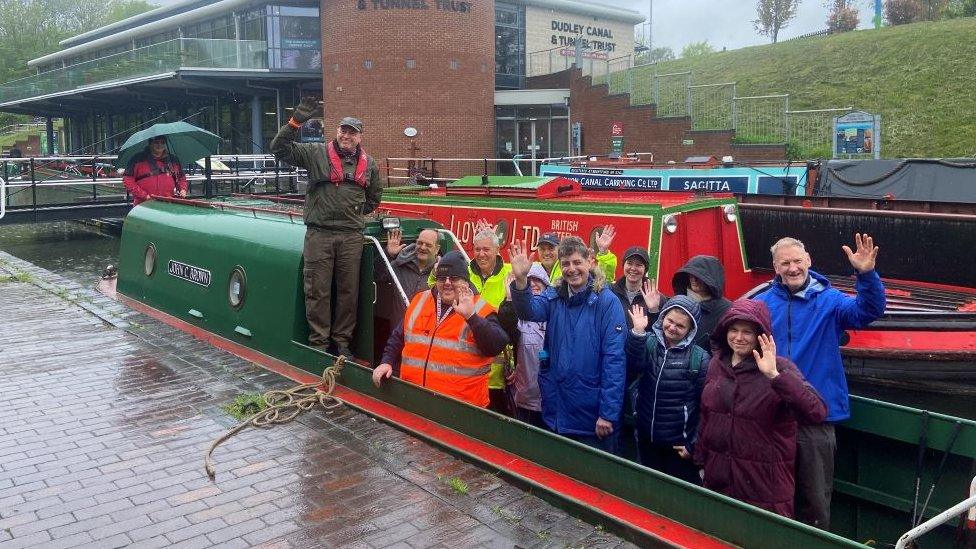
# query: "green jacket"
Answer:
x=327 y=205
x=492 y=289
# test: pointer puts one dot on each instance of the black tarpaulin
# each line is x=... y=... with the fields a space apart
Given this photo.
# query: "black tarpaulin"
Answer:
x=939 y=180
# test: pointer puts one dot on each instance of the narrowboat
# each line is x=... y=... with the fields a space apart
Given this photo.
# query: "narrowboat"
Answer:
x=229 y=271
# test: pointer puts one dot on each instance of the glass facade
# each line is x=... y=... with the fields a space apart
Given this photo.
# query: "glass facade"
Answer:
x=509 y=46
x=521 y=129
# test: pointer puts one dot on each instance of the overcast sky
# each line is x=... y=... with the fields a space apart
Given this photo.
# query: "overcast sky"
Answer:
x=726 y=23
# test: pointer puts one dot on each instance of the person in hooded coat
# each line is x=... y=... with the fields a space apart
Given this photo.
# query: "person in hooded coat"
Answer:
x=750 y=409
x=702 y=278
x=670 y=371
x=527 y=338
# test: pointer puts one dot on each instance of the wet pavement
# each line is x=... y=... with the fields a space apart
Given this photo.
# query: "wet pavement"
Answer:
x=106 y=415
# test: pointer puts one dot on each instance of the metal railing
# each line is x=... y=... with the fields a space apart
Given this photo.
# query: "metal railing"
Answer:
x=426 y=171
x=38 y=182
x=967 y=505
x=146 y=61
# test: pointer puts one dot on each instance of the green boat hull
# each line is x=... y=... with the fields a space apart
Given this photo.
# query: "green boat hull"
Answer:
x=875 y=465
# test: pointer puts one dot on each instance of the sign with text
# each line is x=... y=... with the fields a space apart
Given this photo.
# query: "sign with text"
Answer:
x=857 y=134
x=710 y=184
x=189 y=273
x=442 y=5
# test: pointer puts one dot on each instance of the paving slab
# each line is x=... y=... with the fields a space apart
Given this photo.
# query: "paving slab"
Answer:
x=108 y=413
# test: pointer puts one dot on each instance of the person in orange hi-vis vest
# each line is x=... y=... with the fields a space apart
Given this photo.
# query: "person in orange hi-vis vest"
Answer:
x=448 y=337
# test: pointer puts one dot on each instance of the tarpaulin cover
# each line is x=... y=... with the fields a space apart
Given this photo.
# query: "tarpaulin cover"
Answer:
x=939 y=180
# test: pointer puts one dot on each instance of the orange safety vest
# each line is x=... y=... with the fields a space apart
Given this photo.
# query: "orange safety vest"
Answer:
x=443 y=357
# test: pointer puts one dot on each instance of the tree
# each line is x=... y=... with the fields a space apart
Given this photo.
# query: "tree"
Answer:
x=696 y=49
x=774 y=16
x=961 y=8
x=902 y=12
x=32 y=28
x=656 y=55
x=933 y=10
x=843 y=16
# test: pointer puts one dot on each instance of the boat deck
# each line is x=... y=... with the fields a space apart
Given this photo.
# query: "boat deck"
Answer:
x=108 y=414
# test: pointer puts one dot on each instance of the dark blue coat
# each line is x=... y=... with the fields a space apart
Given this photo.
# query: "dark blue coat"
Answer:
x=585 y=341
x=808 y=324
x=669 y=386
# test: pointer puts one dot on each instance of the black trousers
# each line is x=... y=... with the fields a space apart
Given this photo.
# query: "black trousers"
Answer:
x=664 y=458
x=815 y=447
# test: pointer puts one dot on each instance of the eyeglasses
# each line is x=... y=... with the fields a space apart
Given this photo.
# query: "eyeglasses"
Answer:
x=452 y=279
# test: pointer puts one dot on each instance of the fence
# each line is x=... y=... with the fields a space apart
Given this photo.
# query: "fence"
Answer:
x=763 y=119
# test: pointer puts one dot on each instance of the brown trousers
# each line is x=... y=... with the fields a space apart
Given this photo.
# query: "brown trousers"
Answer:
x=331 y=255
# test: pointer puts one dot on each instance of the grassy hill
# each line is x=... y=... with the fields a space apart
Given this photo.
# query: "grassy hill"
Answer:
x=921 y=78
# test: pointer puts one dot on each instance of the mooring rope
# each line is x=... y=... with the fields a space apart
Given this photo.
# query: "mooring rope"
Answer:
x=285 y=405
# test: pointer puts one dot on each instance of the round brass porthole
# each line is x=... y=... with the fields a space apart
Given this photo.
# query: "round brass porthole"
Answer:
x=236 y=288
x=150 y=265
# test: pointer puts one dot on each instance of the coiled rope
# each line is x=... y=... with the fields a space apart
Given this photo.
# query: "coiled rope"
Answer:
x=286 y=405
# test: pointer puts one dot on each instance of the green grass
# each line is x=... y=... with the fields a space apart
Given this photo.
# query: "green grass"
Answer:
x=245 y=406
x=920 y=78
x=459 y=486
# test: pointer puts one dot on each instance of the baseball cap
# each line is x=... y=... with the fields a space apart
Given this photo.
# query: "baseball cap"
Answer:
x=549 y=238
x=353 y=123
x=637 y=251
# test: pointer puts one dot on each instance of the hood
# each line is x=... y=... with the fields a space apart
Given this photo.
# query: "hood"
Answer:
x=690 y=307
x=539 y=272
x=741 y=309
x=705 y=268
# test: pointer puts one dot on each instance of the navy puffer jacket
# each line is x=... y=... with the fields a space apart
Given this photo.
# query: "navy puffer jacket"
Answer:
x=669 y=386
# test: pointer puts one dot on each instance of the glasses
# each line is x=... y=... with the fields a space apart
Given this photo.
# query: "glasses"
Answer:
x=452 y=279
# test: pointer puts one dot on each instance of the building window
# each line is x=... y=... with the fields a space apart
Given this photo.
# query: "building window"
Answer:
x=367 y=64
x=509 y=45
x=411 y=63
x=455 y=64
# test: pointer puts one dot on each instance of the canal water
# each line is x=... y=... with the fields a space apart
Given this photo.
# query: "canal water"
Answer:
x=81 y=252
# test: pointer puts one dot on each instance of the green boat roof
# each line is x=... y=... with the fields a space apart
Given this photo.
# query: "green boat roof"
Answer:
x=511 y=181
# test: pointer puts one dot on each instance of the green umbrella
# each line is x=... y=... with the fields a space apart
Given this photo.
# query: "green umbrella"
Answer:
x=185 y=141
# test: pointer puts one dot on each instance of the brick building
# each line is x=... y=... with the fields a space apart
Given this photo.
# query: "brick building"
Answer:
x=452 y=70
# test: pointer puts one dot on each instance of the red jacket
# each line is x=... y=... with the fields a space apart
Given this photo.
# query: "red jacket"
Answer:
x=147 y=176
x=747 y=436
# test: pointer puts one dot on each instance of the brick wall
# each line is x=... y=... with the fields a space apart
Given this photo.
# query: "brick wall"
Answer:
x=596 y=109
x=451 y=107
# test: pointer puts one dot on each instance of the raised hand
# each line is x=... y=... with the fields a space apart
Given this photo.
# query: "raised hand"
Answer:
x=867 y=253
x=638 y=317
x=766 y=361
x=308 y=108
x=464 y=304
x=394 y=242
x=652 y=297
x=521 y=263
x=605 y=239
x=481 y=225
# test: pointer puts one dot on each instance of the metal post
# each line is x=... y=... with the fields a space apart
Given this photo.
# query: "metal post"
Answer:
x=786 y=118
x=208 y=181
x=49 y=128
x=256 y=130
x=94 y=177
x=657 y=89
x=688 y=95
x=533 y=146
x=33 y=189
x=733 y=106
x=630 y=84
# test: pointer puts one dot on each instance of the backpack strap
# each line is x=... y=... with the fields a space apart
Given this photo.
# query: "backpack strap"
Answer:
x=694 y=366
